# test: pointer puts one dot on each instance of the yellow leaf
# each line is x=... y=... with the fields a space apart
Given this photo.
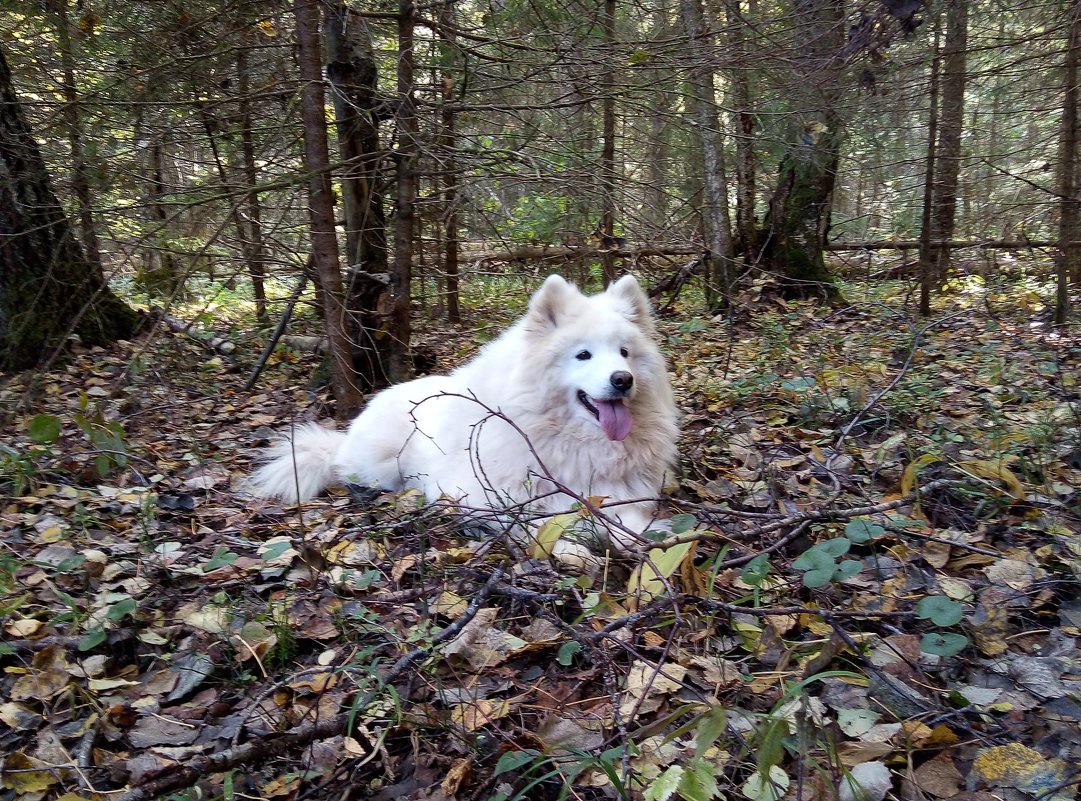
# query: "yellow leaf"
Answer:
x=549 y=533
x=450 y=604
x=911 y=474
x=26 y=627
x=267 y=28
x=20 y=776
x=477 y=714
x=648 y=579
x=998 y=471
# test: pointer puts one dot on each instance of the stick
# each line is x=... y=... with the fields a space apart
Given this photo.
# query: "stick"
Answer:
x=278 y=331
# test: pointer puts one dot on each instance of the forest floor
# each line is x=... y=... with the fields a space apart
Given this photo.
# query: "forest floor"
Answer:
x=882 y=589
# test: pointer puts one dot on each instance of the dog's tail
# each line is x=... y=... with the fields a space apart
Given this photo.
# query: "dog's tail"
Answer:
x=298 y=468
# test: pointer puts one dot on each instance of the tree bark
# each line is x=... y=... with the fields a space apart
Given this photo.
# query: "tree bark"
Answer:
x=400 y=364
x=951 y=125
x=254 y=253
x=799 y=213
x=657 y=148
x=448 y=138
x=608 y=143
x=703 y=103
x=1068 y=266
x=324 y=254
x=351 y=68
x=746 y=229
x=927 y=251
x=159 y=274
x=80 y=181
x=48 y=288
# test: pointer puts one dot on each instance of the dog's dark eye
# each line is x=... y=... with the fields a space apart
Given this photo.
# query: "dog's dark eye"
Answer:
x=583 y=355
x=623 y=352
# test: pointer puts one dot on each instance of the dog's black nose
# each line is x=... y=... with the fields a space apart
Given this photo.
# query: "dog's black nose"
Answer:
x=622 y=380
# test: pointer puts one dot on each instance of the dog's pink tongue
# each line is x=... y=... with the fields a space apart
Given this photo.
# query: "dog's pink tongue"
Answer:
x=615 y=419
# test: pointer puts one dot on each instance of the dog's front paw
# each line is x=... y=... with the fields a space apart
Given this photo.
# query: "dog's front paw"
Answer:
x=575 y=557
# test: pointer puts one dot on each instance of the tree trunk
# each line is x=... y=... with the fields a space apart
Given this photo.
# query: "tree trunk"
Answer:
x=324 y=256
x=448 y=53
x=703 y=103
x=1069 y=223
x=608 y=143
x=927 y=250
x=254 y=253
x=48 y=288
x=657 y=148
x=951 y=125
x=353 y=76
x=400 y=365
x=159 y=275
x=746 y=229
x=80 y=181
x=799 y=212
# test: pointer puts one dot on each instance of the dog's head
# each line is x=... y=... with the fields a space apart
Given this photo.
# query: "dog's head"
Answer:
x=598 y=349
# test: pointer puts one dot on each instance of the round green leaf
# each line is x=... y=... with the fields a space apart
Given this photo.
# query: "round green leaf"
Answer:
x=847 y=569
x=755 y=571
x=567 y=652
x=815 y=559
x=813 y=579
x=761 y=788
x=44 y=429
x=836 y=547
x=118 y=610
x=92 y=639
x=681 y=524
x=940 y=610
x=862 y=530
x=943 y=644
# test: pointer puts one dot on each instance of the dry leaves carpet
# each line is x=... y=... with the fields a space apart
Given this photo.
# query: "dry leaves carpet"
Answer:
x=872 y=589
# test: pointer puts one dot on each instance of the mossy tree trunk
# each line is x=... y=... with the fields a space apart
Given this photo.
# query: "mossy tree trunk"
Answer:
x=48 y=288
x=799 y=211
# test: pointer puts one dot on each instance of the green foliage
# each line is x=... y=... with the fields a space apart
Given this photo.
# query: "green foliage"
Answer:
x=105 y=435
x=18 y=470
x=943 y=643
x=862 y=530
x=537 y=218
x=44 y=429
x=567 y=652
x=756 y=571
x=940 y=610
x=558 y=769
x=819 y=563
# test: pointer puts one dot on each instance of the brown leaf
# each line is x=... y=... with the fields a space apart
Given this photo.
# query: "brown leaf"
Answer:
x=990 y=627
x=938 y=776
x=458 y=775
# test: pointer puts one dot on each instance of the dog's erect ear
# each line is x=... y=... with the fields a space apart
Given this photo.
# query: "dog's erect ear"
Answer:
x=551 y=301
x=633 y=301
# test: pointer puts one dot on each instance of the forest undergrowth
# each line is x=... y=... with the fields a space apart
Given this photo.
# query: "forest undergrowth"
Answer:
x=872 y=589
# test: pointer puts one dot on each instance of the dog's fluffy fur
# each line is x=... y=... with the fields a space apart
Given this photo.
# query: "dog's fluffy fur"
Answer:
x=575 y=395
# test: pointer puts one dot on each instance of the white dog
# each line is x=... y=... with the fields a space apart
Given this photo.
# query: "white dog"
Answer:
x=574 y=398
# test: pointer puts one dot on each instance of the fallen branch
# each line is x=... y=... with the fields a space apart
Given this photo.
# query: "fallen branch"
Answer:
x=527 y=252
x=954 y=244
x=214 y=342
